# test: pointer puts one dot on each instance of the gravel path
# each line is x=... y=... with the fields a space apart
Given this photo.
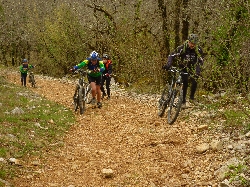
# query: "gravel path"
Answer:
x=126 y=137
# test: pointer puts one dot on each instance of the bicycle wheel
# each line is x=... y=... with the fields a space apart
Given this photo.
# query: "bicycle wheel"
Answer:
x=163 y=101
x=88 y=94
x=175 y=104
x=76 y=99
x=32 y=81
x=81 y=99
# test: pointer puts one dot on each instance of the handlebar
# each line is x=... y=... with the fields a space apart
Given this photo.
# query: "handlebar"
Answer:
x=176 y=70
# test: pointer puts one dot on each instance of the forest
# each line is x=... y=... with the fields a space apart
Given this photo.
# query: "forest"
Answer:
x=138 y=35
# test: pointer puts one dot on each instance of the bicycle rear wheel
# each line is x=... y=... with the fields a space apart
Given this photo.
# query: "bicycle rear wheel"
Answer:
x=32 y=81
x=175 y=104
x=163 y=101
x=76 y=100
x=81 y=99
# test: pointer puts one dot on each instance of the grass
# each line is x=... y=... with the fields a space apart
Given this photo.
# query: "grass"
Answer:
x=41 y=126
x=234 y=174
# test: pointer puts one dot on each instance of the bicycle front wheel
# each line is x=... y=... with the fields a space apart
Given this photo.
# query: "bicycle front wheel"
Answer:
x=163 y=101
x=88 y=94
x=175 y=104
x=81 y=99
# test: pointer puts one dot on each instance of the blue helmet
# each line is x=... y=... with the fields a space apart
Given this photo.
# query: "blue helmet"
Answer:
x=94 y=55
x=25 y=60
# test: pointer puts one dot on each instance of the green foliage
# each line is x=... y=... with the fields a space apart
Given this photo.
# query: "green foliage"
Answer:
x=229 y=44
x=63 y=42
x=42 y=125
x=235 y=174
x=2 y=152
x=58 y=35
x=234 y=118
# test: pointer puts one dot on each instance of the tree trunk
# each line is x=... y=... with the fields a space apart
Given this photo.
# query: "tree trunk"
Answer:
x=166 y=45
x=185 y=21
x=177 y=23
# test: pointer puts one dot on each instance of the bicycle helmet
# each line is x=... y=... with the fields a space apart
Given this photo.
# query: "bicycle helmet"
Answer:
x=105 y=56
x=193 y=38
x=24 y=60
x=93 y=55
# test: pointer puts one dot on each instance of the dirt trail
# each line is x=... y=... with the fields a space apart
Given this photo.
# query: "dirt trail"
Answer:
x=125 y=136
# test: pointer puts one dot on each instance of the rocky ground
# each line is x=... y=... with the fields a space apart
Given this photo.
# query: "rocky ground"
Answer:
x=125 y=144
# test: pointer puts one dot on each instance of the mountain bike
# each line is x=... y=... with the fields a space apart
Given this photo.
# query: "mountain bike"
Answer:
x=32 y=79
x=82 y=91
x=172 y=96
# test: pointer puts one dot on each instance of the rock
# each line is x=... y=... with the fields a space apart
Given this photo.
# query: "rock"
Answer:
x=248 y=134
x=107 y=173
x=230 y=147
x=203 y=127
x=38 y=125
x=15 y=161
x=202 y=148
x=220 y=173
x=225 y=183
x=157 y=123
x=216 y=145
x=51 y=121
x=17 y=111
x=35 y=163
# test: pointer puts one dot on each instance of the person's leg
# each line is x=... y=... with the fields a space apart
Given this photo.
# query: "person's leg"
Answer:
x=93 y=89
x=108 y=86
x=24 y=79
x=185 y=87
x=98 y=91
x=102 y=87
x=193 y=88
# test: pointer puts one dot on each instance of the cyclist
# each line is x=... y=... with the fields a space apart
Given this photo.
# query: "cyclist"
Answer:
x=106 y=75
x=95 y=67
x=24 y=68
x=189 y=59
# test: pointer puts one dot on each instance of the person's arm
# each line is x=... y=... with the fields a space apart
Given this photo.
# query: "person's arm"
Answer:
x=31 y=66
x=172 y=56
x=81 y=64
x=109 y=70
x=21 y=68
x=200 y=61
x=101 y=65
x=201 y=56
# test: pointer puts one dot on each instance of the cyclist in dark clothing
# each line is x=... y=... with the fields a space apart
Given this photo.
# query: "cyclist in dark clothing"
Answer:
x=189 y=59
x=106 y=75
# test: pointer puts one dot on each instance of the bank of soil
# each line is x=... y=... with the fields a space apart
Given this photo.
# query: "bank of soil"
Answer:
x=125 y=135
